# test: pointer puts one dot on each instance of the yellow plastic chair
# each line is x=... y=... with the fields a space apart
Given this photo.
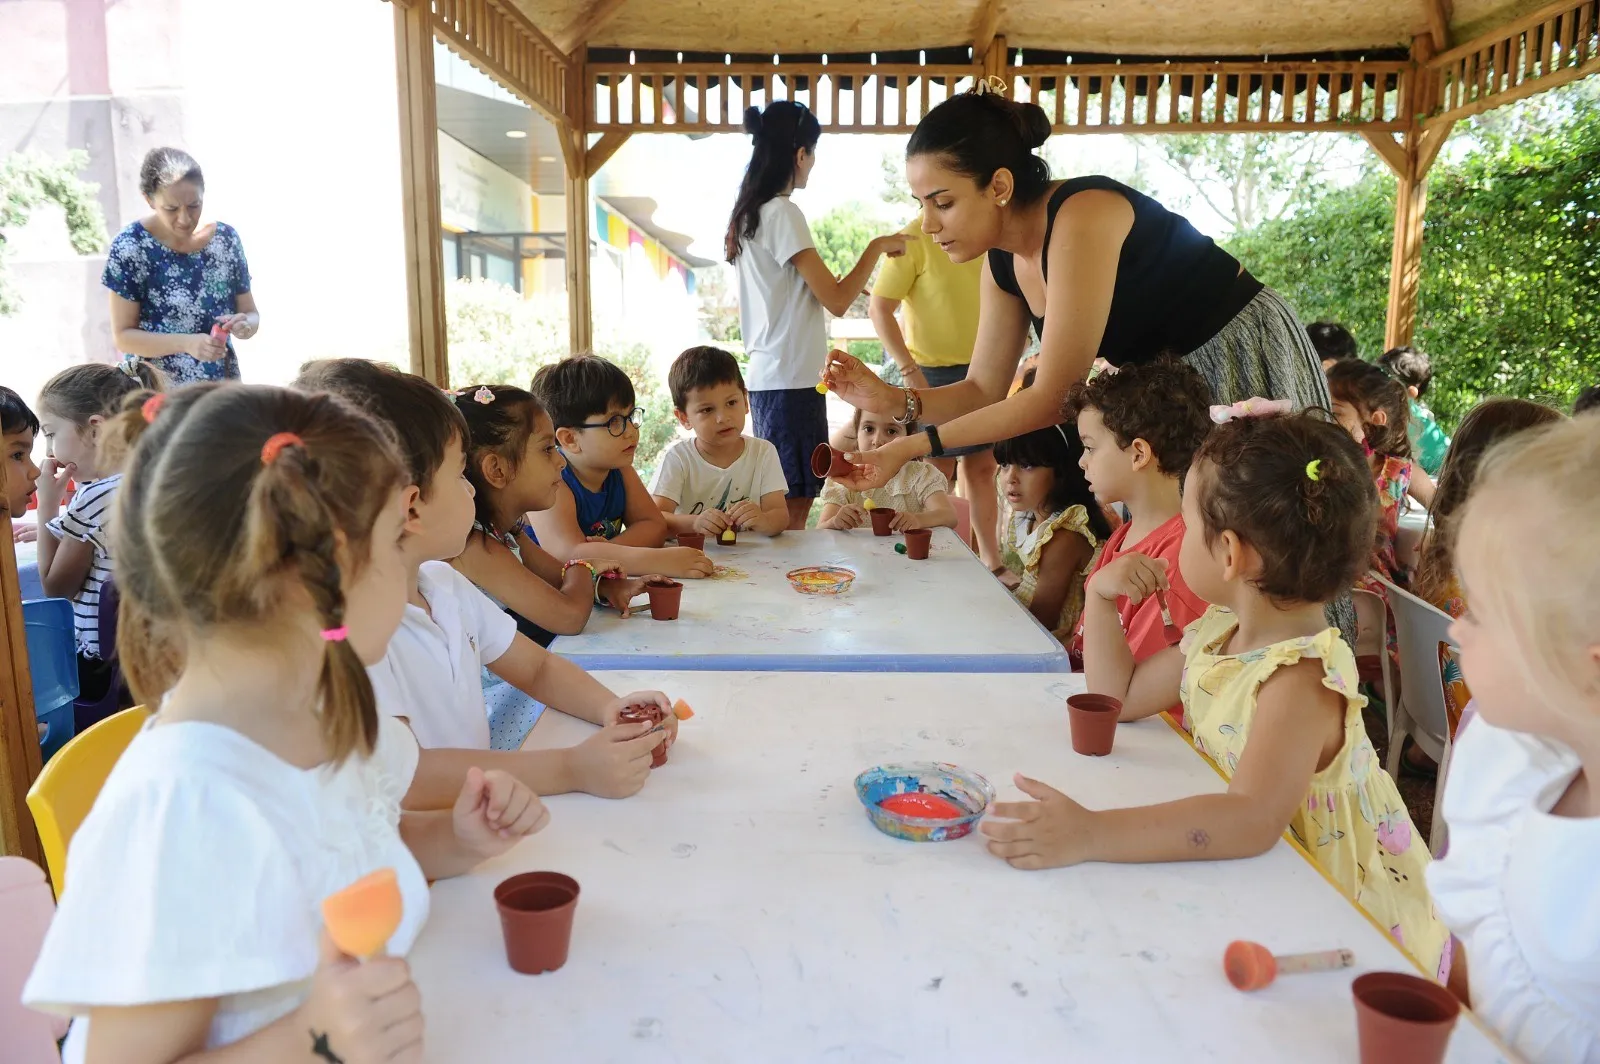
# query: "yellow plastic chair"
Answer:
x=65 y=791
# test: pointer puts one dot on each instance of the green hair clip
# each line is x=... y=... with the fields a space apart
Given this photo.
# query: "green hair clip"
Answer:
x=1314 y=469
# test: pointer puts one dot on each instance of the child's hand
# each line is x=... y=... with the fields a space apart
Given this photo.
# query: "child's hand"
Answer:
x=1049 y=833
x=849 y=516
x=619 y=591
x=51 y=485
x=614 y=762
x=744 y=514
x=902 y=521
x=363 y=1012
x=494 y=811
x=612 y=713
x=685 y=562
x=711 y=522
x=1135 y=575
x=24 y=533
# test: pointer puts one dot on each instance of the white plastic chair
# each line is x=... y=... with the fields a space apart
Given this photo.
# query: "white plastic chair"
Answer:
x=26 y=908
x=1420 y=628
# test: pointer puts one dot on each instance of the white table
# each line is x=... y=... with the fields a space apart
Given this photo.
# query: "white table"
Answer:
x=742 y=907
x=1414 y=524
x=945 y=614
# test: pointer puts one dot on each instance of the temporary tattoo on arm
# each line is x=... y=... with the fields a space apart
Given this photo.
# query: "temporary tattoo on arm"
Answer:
x=1198 y=838
x=320 y=1048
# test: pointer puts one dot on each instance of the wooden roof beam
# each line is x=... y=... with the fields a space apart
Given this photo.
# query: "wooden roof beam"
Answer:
x=1438 y=13
x=985 y=24
x=576 y=35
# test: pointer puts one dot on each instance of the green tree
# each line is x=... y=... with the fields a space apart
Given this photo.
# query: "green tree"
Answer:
x=842 y=236
x=1510 y=290
x=31 y=180
x=1251 y=178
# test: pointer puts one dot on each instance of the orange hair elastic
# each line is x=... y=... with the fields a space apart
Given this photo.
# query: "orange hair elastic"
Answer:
x=152 y=407
x=275 y=445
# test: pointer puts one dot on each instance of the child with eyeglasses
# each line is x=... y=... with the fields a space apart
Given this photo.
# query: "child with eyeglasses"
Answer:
x=605 y=511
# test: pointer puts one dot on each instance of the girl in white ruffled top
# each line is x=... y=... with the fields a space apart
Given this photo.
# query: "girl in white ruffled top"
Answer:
x=258 y=545
x=1520 y=883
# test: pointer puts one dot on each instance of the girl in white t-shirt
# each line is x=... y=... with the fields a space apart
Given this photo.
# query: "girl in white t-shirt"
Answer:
x=1522 y=798
x=784 y=286
x=258 y=541
x=919 y=494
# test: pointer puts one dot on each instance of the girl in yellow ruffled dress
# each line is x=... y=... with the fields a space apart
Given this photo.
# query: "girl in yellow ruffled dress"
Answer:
x=1280 y=513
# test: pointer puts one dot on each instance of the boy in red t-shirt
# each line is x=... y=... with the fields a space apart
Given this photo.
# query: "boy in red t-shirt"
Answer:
x=1140 y=427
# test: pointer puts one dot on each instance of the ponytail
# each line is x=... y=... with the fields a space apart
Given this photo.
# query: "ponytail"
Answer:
x=781 y=130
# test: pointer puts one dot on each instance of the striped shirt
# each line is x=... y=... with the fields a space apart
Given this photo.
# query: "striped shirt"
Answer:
x=85 y=521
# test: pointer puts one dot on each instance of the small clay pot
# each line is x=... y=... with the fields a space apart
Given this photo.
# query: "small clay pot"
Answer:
x=1402 y=1019
x=1093 y=719
x=536 y=910
x=665 y=597
x=918 y=540
x=827 y=462
x=697 y=540
x=881 y=516
x=649 y=713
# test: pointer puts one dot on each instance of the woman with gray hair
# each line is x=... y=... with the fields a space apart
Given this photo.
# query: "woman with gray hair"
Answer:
x=180 y=290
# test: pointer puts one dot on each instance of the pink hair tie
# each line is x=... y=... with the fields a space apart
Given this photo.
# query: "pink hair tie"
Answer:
x=1255 y=406
x=335 y=635
x=275 y=445
x=152 y=406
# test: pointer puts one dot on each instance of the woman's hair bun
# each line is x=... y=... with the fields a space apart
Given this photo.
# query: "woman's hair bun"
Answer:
x=752 y=120
x=1032 y=123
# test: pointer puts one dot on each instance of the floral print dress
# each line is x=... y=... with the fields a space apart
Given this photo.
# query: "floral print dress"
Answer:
x=180 y=293
x=1353 y=822
x=1022 y=545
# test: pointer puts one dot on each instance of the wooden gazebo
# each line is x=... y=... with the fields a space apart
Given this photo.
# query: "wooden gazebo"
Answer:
x=1399 y=73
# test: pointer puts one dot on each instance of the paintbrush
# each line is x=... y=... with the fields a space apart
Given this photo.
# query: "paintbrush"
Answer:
x=1169 y=631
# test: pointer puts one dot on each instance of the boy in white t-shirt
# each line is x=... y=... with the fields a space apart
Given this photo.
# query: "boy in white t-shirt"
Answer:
x=719 y=478
x=431 y=675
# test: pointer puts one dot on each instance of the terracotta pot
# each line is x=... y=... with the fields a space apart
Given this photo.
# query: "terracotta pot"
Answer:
x=881 y=516
x=649 y=713
x=536 y=910
x=1093 y=719
x=918 y=540
x=665 y=597
x=697 y=540
x=827 y=462
x=1402 y=1019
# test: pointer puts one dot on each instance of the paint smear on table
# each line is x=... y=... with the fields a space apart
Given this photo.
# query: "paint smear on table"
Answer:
x=922 y=804
x=729 y=572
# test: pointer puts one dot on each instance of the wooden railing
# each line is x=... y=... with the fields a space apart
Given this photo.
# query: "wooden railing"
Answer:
x=1548 y=47
x=499 y=39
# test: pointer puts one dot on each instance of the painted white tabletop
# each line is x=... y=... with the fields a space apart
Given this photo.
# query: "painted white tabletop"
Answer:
x=742 y=908
x=945 y=614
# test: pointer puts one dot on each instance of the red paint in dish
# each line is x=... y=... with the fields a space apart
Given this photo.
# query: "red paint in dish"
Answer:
x=922 y=804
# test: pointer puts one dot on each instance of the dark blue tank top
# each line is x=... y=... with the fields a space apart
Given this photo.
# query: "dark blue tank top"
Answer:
x=1175 y=288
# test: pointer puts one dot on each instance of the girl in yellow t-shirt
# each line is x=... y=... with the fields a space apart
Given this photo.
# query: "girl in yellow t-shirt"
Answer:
x=1280 y=514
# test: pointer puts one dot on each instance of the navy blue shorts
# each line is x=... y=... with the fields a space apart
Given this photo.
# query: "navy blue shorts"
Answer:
x=794 y=420
x=939 y=377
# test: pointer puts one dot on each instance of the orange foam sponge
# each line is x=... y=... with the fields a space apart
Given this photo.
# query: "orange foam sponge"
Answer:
x=1251 y=966
x=681 y=710
x=362 y=917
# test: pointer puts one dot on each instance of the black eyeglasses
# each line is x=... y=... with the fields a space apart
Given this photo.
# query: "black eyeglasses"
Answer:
x=616 y=424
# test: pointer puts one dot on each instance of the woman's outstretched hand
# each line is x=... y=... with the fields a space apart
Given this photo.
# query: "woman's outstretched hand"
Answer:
x=848 y=377
x=874 y=469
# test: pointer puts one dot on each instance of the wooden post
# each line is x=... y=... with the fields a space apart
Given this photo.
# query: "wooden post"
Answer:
x=419 y=172
x=1411 y=159
x=993 y=60
x=580 y=211
x=19 y=733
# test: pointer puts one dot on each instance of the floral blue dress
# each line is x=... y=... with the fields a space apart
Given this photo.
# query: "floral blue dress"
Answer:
x=180 y=293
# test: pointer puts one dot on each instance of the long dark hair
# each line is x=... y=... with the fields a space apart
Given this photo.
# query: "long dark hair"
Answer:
x=779 y=131
x=1057 y=448
x=978 y=133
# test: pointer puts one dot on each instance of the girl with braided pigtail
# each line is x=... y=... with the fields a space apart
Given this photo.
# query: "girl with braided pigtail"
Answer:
x=258 y=537
x=1278 y=513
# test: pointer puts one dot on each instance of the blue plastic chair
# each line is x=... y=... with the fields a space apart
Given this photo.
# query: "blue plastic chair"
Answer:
x=53 y=668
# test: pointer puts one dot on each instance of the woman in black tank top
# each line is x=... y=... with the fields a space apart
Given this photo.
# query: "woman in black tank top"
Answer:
x=1096 y=268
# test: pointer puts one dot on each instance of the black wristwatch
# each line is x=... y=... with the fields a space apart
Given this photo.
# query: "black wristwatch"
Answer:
x=935 y=448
